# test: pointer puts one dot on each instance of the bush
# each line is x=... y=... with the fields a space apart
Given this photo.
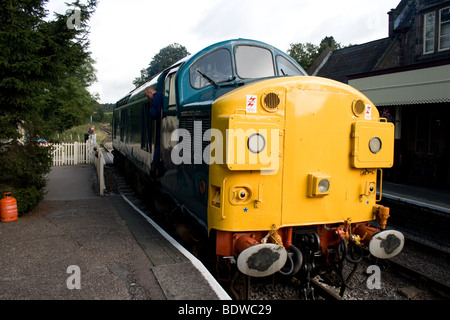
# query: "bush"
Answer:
x=22 y=172
x=27 y=199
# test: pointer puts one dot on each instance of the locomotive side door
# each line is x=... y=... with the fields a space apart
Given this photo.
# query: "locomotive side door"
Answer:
x=169 y=121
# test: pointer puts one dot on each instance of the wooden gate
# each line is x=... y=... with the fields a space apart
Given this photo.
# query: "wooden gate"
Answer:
x=70 y=154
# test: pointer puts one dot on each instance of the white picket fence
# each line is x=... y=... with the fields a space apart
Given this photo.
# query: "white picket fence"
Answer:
x=70 y=154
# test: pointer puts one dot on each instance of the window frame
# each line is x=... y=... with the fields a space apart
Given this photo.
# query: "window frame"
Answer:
x=207 y=83
x=433 y=25
x=440 y=29
x=274 y=67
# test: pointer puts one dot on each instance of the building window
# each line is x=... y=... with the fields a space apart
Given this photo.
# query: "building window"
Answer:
x=444 y=29
x=428 y=32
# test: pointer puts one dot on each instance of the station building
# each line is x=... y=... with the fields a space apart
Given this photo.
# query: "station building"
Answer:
x=407 y=76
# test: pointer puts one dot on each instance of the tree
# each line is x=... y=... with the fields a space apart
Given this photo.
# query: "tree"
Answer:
x=45 y=70
x=166 y=57
x=69 y=101
x=304 y=53
x=307 y=53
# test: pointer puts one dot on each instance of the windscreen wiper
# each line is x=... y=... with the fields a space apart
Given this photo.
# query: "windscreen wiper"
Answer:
x=208 y=78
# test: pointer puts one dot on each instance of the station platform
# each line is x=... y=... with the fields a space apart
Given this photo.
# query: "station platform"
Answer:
x=432 y=198
x=80 y=246
x=422 y=214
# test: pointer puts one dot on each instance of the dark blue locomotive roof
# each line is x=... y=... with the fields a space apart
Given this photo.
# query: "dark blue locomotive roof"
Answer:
x=220 y=68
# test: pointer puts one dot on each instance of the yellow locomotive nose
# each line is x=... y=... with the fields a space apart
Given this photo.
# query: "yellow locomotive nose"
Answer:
x=312 y=150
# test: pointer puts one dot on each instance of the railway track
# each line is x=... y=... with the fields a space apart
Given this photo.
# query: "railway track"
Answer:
x=106 y=130
x=426 y=256
x=419 y=272
x=427 y=266
x=278 y=287
x=107 y=142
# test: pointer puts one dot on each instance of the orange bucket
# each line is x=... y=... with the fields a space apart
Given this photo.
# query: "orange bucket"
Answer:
x=8 y=208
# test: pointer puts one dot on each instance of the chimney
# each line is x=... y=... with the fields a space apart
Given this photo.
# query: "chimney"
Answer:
x=393 y=15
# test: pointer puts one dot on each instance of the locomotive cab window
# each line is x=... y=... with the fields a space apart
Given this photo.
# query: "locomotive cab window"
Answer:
x=286 y=68
x=253 y=62
x=212 y=69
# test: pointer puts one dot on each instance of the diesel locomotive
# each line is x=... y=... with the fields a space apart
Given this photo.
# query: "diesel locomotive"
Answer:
x=282 y=171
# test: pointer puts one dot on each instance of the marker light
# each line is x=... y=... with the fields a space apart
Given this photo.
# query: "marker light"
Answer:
x=375 y=145
x=324 y=185
x=358 y=107
x=256 y=143
x=318 y=184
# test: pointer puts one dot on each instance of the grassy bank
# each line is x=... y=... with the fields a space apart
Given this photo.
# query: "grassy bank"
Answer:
x=77 y=133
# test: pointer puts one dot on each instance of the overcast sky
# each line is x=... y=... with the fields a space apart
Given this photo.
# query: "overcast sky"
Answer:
x=125 y=35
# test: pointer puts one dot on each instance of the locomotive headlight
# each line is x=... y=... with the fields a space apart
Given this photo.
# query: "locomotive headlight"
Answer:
x=375 y=145
x=324 y=185
x=318 y=184
x=256 y=143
